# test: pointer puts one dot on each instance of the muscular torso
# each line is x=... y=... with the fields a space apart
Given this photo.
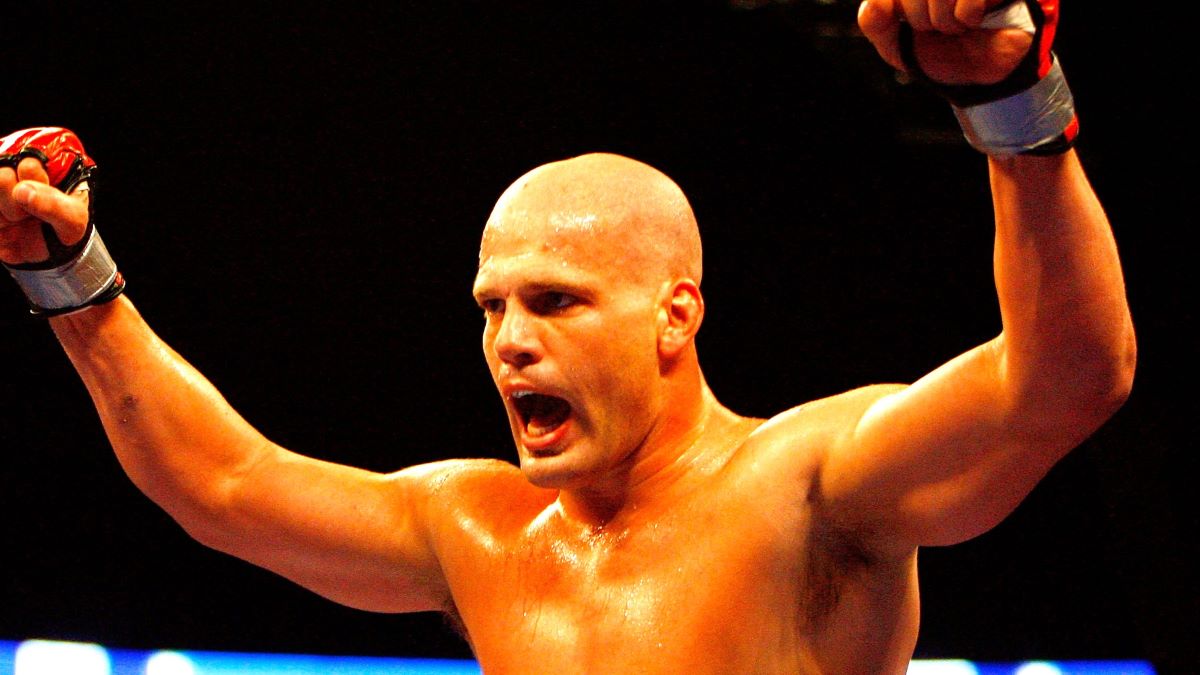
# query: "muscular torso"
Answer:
x=738 y=573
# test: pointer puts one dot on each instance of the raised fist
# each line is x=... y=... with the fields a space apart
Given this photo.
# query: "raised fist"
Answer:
x=991 y=60
x=44 y=195
x=951 y=42
x=48 y=242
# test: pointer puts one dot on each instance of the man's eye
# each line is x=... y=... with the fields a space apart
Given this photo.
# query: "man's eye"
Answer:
x=492 y=306
x=549 y=302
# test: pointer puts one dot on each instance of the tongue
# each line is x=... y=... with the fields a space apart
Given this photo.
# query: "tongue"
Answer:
x=546 y=413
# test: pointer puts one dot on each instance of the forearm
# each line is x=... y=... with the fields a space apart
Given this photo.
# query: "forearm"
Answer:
x=1067 y=344
x=174 y=434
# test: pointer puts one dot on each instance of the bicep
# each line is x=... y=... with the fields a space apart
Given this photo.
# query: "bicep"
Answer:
x=357 y=537
x=944 y=459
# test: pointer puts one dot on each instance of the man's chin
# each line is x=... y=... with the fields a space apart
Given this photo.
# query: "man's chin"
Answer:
x=552 y=471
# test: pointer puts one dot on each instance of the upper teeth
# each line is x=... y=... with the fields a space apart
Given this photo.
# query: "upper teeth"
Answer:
x=521 y=394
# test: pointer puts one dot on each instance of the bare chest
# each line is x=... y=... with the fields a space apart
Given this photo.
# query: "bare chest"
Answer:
x=686 y=592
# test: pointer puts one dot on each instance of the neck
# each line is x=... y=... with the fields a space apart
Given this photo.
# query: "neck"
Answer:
x=695 y=436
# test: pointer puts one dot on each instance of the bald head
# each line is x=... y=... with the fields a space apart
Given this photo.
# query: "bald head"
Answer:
x=630 y=216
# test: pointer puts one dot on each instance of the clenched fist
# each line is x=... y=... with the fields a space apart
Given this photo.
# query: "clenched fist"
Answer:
x=47 y=240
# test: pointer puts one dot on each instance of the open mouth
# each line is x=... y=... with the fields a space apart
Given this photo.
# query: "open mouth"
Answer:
x=540 y=413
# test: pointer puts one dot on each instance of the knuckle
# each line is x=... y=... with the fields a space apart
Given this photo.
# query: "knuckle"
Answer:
x=966 y=14
x=31 y=167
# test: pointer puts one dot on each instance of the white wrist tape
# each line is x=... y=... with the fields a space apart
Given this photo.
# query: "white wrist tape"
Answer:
x=1014 y=15
x=73 y=284
x=1023 y=121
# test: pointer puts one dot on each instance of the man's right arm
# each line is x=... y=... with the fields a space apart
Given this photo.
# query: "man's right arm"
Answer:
x=357 y=537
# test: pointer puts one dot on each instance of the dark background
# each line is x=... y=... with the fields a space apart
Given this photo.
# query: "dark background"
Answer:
x=295 y=193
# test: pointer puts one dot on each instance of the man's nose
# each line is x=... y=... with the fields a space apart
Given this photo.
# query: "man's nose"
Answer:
x=517 y=340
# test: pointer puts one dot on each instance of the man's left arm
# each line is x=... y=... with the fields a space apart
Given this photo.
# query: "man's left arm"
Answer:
x=948 y=457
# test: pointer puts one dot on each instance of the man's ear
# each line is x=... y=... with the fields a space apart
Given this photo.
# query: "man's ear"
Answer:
x=679 y=316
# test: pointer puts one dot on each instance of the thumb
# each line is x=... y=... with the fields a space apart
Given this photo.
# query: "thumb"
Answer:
x=67 y=214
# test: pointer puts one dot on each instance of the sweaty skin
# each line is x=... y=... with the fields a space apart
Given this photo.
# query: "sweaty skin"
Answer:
x=651 y=530
x=648 y=529
x=663 y=536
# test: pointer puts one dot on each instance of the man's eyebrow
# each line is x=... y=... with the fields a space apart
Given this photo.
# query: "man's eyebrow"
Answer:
x=557 y=285
x=479 y=291
x=481 y=282
x=484 y=288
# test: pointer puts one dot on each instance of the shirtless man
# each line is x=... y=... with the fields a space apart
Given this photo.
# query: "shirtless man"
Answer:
x=649 y=529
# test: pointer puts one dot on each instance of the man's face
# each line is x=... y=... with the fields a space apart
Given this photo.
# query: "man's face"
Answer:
x=571 y=342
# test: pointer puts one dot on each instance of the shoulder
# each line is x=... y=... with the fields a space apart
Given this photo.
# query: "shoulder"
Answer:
x=794 y=445
x=476 y=490
x=450 y=474
x=820 y=423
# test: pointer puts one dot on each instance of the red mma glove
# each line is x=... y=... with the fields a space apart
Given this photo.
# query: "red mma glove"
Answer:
x=58 y=149
x=72 y=277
